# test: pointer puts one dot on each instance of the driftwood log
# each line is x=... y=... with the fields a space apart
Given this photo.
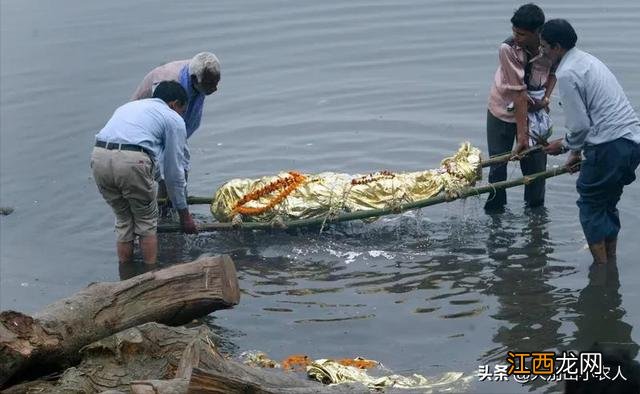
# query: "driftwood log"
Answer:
x=52 y=338
x=154 y=358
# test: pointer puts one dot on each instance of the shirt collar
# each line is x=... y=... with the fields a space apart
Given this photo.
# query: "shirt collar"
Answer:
x=570 y=53
x=528 y=55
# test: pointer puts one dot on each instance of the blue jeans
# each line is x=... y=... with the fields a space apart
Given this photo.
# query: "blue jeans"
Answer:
x=607 y=168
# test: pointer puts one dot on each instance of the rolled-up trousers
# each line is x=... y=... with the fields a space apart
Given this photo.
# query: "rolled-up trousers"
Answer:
x=606 y=169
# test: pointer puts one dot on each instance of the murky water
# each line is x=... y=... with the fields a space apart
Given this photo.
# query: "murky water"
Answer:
x=317 y=86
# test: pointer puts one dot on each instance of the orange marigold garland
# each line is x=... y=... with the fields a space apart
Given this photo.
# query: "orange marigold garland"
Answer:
x=286 y=185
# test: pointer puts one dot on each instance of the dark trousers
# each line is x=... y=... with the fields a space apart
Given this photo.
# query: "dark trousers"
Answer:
x=500 y=138
x=604 y=172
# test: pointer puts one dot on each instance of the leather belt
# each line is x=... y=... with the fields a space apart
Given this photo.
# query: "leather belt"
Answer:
x=116 y=146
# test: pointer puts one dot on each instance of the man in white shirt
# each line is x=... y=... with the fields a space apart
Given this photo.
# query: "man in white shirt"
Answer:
x=125 y=162
x=603 y=126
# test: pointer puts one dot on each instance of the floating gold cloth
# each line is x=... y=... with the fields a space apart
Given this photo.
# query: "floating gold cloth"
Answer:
x=331 y=372
x=334 y=193
x=356 y=371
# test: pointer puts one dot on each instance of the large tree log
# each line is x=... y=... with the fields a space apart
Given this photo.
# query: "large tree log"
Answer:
x=174 y=295
x=156 y=359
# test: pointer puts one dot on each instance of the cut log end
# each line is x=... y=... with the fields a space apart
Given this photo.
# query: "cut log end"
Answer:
x=173 y=296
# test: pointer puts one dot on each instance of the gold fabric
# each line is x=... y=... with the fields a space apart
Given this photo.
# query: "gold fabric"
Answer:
x=334 y=193
x=331 y=372
x=258 y=359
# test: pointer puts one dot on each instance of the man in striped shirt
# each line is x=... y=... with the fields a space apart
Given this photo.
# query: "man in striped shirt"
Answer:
x=522 y=71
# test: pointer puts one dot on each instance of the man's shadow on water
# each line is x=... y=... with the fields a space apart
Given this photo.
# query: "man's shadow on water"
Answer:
x=533 y=310
x=519 y=249
x=599 y=313
x=599 y=328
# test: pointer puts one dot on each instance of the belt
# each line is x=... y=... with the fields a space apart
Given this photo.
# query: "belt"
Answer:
x=116 y=146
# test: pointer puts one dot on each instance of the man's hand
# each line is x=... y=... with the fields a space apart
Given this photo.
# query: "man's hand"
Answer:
x=572 y=160
x=554 y=148
x=187 y=222
x=521 y=145
x=537 y=105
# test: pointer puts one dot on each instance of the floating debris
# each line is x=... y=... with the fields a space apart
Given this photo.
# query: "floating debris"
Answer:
x=332 y=372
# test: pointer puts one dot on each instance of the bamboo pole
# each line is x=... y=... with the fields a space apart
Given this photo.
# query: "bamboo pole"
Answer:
x=508 y=157
x=442 y=197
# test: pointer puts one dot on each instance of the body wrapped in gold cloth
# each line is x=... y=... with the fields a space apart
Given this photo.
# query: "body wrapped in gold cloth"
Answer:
x=291 y=196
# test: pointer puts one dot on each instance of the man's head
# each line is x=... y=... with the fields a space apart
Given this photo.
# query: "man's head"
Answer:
x=172 y=93
x=526 y=23
x=204 y=69
x=557 y=36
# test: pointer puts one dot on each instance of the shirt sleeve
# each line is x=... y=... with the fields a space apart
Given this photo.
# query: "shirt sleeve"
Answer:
x=576 y=117
x=145 y=89
x=512 y=69
x=174 y=162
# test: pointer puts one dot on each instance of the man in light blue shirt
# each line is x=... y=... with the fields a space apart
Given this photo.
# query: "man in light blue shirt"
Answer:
x=199 y=77
x=603 y=125
x=125 y=162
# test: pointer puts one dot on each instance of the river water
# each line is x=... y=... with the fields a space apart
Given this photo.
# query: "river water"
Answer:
x=352 y=87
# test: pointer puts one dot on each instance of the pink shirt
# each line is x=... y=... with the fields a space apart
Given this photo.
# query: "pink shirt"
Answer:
x=509 y=78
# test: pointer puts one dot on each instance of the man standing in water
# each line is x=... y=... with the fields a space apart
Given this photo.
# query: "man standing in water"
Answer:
x=603 y=125
x=125 y=162
x=199 y=77
x=522 y=84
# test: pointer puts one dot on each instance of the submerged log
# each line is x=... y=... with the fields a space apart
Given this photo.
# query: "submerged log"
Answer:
x=153 y=358
x=175 y=295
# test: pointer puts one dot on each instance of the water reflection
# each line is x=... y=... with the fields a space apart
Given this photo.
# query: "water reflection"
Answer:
x=520 y=248
x=532 y=310
x=599 y=313
x=135 y=268
x=527 y=304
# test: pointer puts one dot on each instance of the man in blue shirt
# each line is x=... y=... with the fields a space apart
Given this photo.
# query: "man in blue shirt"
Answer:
x=603 y=126
x=199 y=76
x=140 y=138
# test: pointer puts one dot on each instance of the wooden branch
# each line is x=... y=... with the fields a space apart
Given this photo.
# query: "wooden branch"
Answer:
x=173 y=386
x=156 y=359
x=173 y=296
x=508 y=157
x=370 y=213
x=191 y=200
x=141 y=358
